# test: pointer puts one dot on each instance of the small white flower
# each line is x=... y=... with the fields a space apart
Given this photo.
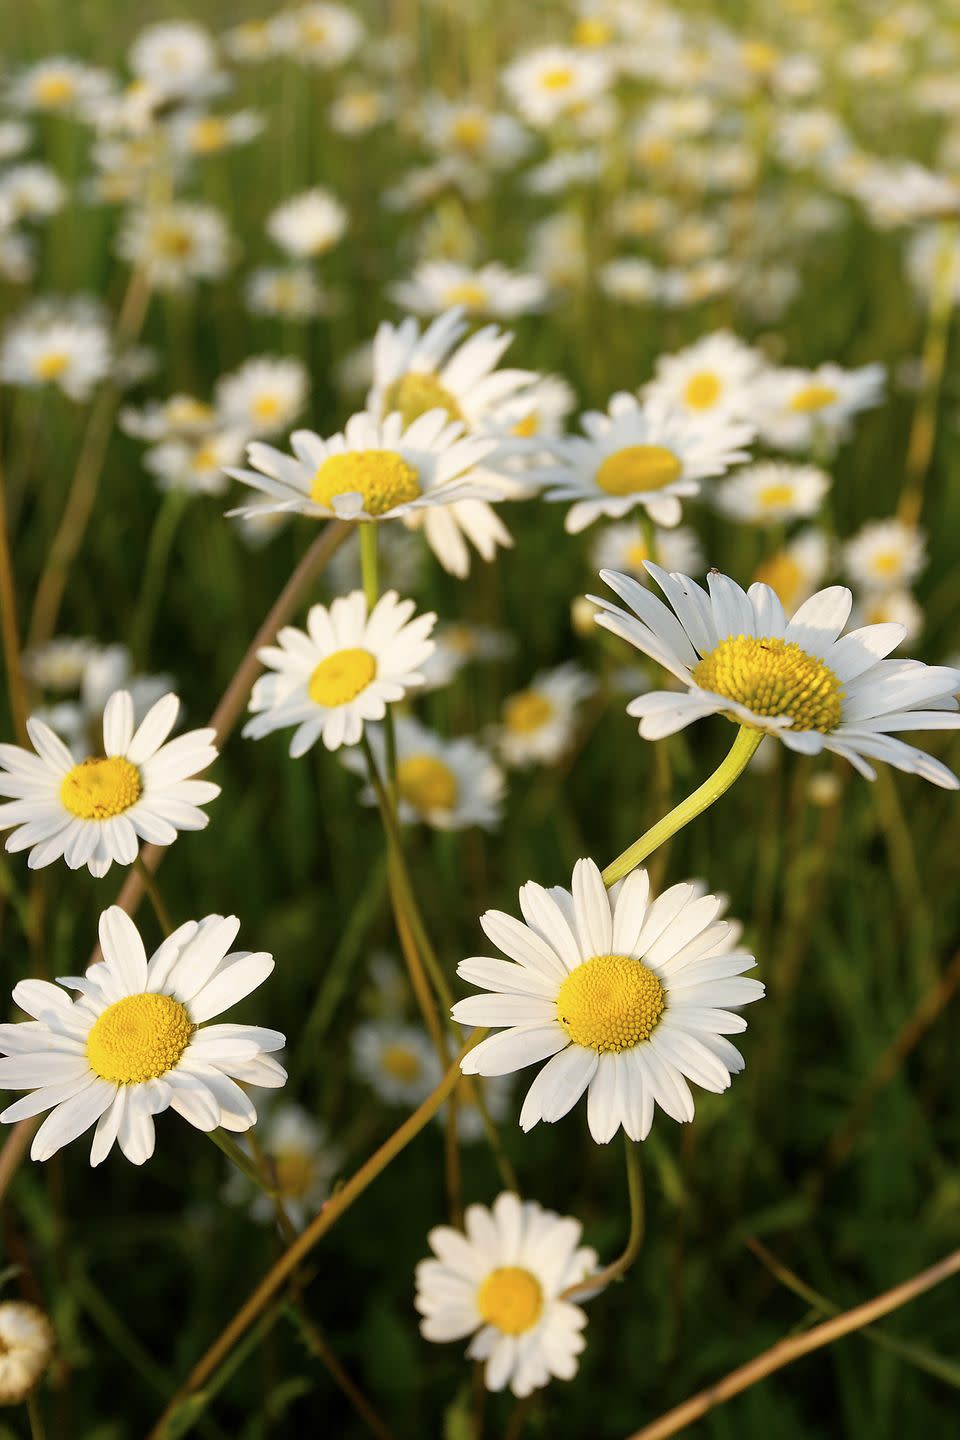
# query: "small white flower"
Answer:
x=177 y=60
x=321 y=34
x=196 y=466
x=555 y=82
x=308 y=224
x=793 y=572
x=264 y=395
x=134 y=1042
x=885 y=555
x=538 y=724
x=439 y=285
x=59 y=84
x=627 y=547
x=300 y=1161
x=176 y=244
x=26 y=1347
x=797 y=409
x=713 y=376
x=447 y=784
x=772 y=492
x=73 y=352
x=294 y=293
x=396 y=1060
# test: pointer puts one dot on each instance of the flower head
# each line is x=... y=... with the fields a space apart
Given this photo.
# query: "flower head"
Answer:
x=26 y=1345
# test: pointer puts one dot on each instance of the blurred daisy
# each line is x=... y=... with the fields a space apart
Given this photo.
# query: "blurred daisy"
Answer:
x=632 y=280
x=97 y=810
x=439 y=285
x=253 y=41
x=15 y=137
x=59 y=84
x=72 y=353
x=308 y=224
x=800 y=680
x=458 y=645
x=447 y=784
x=473 y=133
x=772 y=492
x=502 y=1282
x=495 y=1094
x=264 y=395
x=177 y=60
x=58 y=665
x=26 y=1348
x=358 y=110
x=104 y=669
x=537 y=725
x=196 y=466
x=294 y=293
x=555 y=82
x=885 y=555
x=714 y=376
x=880 y=607
x=628 y=547
x=175 y=418
x=134 y=1043
x=396 y=1060
x=630 y=997
x=32 y=191
x=322 y=34
x=193 y=134
x=176 y=244
x=797 y=409
x=794 y=572
x=342 y=673
x=639 y=455
x=301 y=1163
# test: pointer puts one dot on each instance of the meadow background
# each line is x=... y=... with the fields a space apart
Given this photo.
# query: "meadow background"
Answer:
x=837 y=1146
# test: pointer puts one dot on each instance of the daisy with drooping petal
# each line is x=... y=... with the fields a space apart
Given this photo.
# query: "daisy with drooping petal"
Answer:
x=799 y=409
x=715 y=375
x=502 y=1282
x=639 y=454
x=264 y=395
x=538 y=724
x=772 y=492
x=97 y=810
x=626 y=998
x=330 y=682
x=448 y=784
x=885 y=555
x=801 y=680
x=134 y=1042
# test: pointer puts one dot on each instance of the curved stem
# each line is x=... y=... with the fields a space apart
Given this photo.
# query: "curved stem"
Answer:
x=785 y=1351
x=595 y=1283
x=331 y=1212
x=743 y=747
x=923 y=432
x=246 y=1164
x=154 y=896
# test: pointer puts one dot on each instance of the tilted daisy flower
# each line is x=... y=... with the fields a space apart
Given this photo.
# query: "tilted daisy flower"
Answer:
x=439 y=285
x=172 y=419
x=713 y=376
x=885 y=555
x=639 y=454
x=800 y=409
x=134 y=1042
x=26 y=1348
x=97 y=810
x=447 y=784
x=626 y=998
x=330 y=682
x=308 y=225
x=502 y=1282
x=264 y=395
x=772 y=492
x=538 y=724
x=801 y=680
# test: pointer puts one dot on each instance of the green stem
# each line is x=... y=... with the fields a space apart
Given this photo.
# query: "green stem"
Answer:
x=155 y=569
x=368 y=562
x=593 y=1283
x=154 y=896
x=243 y=1162
x=35 y=1417
x=923 y=432
x=743 y=747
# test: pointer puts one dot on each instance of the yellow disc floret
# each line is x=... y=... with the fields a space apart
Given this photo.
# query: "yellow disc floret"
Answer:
x=417 y=392
x=527 y=711
x=51 y=365
x=139 y=1038
x=426 y=783
x=382 y=477
x=295 y=1172
x=774 y=497
x=610 y=1002
x=773 y=677
x=265 y=406
x=784 y=575
x=637 y=469
x=400 y=1063
x=98 y=789
x=469 y=294
x=511 y=1298
x=813 y=397
x=341 y=677
x=702 y=391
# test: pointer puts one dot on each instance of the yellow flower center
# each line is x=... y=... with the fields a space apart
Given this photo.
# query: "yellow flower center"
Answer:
x=294 y=1171
x=637 y=469
x=772 y=497
x=470 y=131
x=173 y=240
x=813 y=397
x=560 y=78
x=55 y=89
x=205 y=458
x=52 y=365
x=610 y=1002
x=184 y=410
x=381 y=477
x=759 y=57
x=591 y=32
x=97 y=789
x=139 y=1038
x=527 y=427
x=417 y=392
x=426 y=783
x=341 y=677
x=782 y=573
x=511 y=1299
x=637 y=555
x=467 y=293
x=315 y=32
x=265 y=407
x=527 y=711
x=702 y=391
x=773 y=677
x=400 y=1063
x=887 y=562
x=209 y=135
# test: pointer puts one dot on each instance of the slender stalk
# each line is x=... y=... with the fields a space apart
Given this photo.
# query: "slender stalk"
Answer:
x=35 y=1417
x=8 y=624
x=794 y=1347
x=331 y=1212
x=594 y=1283
x=923 y=432
x=246 y=1164
x=719 y=782
x=155 y=565
x=316 y=1343
x=154 y=896
x=368 y=562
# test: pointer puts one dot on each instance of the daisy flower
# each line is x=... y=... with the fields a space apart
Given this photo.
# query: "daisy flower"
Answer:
x=555 y=82
x=396 y=1060
x=264 y=395
x=538 y=724
x=95 y=811
x=301 y=1163
x=293 y=292
x=171 y=419
x=714 y=376
x=307 y=225
x=885 y=555
x=447 y=784
x=797 y=409
x=193 y=134
x=176 y=244
x=134 y=1043
x=502 y=1282
x=794 y=572
x=198 y=466
x=800 y=680
x=60 y=664
x=473 y=133
x=458 y=645
x=26 y=1348
x=640 y=454
x=253 y=41
x=342 y=673
x=439 y=285
x=626 y=998
x=632 y=280
x=322 y=34
x=627 y=547
x=772 y=492
x=73 y=352
x=59 y=85
x=32 y=192
x=177 y=60
x=359 y=110
x=878 y=607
